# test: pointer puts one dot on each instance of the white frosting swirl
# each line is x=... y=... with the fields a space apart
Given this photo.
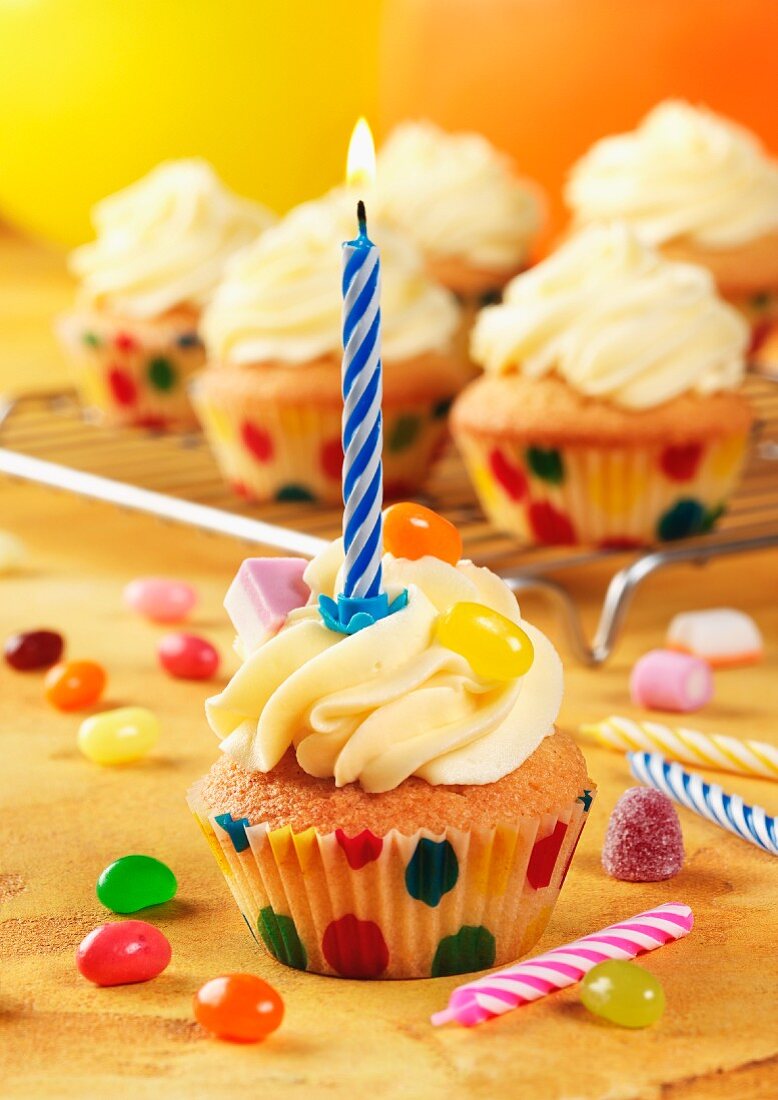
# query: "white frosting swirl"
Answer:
x=281 y=299
x=388 y=702
x=617 y=321
x=456 y=196
x=684 y=173
x=163 y=241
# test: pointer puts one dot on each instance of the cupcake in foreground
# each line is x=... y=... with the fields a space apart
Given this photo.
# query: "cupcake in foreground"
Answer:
x=700 y=188
x=609 y=412
x=162 y=243
x=270 y=400
x=460 y=200
x=394 y=803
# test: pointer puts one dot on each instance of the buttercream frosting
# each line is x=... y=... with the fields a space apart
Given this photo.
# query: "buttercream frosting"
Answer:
x=456 y=196
x=390 y=701
x=685 y=172
x=617 y=321
x=163 y=241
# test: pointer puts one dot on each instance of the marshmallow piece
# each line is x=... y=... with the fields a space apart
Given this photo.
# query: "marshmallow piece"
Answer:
x=666 y=680
x=261 y=596
x=722 y=636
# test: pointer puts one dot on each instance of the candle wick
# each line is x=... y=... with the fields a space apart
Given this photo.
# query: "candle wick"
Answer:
x=362 y=218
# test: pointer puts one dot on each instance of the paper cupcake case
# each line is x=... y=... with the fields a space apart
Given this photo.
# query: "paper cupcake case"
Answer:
x=618 y=497
x=281 y=451
x=133 y=374
x=396 y=906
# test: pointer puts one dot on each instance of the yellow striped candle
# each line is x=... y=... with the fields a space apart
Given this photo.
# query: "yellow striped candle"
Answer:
x=707 y=750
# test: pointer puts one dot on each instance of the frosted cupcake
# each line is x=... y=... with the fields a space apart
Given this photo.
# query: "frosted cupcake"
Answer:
x=162 y=243
x=383 y=807
x=270 y=400
x=700 y=188
x=609 y=412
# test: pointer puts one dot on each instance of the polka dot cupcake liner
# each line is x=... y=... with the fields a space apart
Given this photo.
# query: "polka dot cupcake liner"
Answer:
x=614 y=498
x=134 y=374
x=396 y=906
x=283 y=451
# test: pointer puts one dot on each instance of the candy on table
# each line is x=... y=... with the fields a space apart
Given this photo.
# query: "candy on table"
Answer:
x=643 y=842
x=709 y=750
x=33 y=650
x=238 y=1007
x=188 y=657
x=495 y=647
x=689 y=789
x=135 y=882
x=160 y=599
x=261 y=596
x=413 y=531
x=123 y=952
x=528 y=981
x=118 y=736
x=722 y=636
x=665 y=680
x=623 y=993
x=74 y=685
x=12 y=552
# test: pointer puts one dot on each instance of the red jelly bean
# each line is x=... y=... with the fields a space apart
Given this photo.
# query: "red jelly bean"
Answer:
x=123 y=952
x=239 y=1007
x=188 y=657
x=33 y=649
x=73 y=685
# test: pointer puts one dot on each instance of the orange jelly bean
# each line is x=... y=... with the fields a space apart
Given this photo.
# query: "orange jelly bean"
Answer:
x=238 y=1007
x=73 y=685
x=413 y=531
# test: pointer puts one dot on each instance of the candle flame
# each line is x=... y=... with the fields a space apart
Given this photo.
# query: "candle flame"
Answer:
x=360 y=165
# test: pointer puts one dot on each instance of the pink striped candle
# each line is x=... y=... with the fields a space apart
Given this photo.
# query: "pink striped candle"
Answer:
x=495 y=994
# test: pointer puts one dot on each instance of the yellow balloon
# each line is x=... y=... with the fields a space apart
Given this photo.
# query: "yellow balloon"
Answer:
x=93 y=93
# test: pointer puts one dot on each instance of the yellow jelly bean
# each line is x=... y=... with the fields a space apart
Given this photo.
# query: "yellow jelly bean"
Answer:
x=118 y=736
x=494 y=646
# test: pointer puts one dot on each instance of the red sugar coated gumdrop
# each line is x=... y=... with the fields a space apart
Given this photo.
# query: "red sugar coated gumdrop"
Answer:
x=643 y=842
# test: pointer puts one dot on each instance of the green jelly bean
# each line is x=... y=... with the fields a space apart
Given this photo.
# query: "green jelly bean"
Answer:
x=135 y=882
x=623 y=993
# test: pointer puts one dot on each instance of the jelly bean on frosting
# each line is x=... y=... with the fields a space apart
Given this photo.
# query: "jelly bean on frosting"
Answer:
x=239 y=1007
x=118 y=736
x=413 y=531
x=495 y=647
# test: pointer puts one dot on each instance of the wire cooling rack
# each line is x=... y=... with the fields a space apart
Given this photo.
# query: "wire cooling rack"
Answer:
x=45 y=438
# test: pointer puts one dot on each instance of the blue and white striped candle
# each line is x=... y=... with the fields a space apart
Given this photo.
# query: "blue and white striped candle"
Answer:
x=710 y=801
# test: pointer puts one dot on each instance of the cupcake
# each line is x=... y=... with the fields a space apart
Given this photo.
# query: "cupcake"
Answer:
x=701 y=189
x=609 y=411
x=460 y=200
x=133 y=338
x=270 y=398
x=383 y=807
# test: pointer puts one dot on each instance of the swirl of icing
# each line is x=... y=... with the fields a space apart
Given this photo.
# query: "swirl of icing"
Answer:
x=617 y=321
x=456 y=196
x=281 y=299
x=390 y=701
x=684 y=173
x=163 y=241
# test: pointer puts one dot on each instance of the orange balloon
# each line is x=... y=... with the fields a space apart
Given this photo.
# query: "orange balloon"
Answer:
x=543 y=79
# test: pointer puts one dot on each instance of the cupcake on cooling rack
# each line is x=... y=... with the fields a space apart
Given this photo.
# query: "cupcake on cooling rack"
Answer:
x=703 y=190
x=394 y=803
x=609 y=412
x=133 y=338
x=270 y=400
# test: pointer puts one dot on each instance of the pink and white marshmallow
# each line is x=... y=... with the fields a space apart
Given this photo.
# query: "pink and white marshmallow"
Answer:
x=261 y=596
x=722 y=636
x=665 y=680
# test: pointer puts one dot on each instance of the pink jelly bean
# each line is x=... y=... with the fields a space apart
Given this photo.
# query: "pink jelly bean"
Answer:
x=123 y=952
x=160 y=599
x=261 y=596
x=188 y=657
x=666 y=680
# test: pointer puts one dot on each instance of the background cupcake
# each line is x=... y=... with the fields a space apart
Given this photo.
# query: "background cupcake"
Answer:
x=270 y=400
x=161 y=247
x=703 y=190
x=383 y=809
x=609 y=411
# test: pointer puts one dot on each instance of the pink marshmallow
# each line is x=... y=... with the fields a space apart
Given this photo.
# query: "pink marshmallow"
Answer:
x=666 y=680
x=261 y=596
